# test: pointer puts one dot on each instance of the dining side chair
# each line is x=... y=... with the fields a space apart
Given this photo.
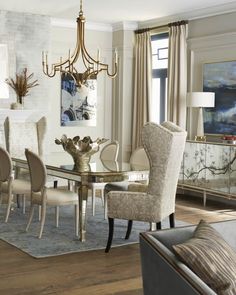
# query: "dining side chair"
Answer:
x=10 y=186
x=43 y=196
x=164 y=145
x=108 y=153
x=138 y=160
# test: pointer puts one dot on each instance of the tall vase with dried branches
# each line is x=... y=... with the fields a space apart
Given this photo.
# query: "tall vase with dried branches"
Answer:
x=21 y=85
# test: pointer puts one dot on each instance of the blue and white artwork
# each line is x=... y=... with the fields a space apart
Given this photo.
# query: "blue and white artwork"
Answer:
x=78 y=104
x=220 y=78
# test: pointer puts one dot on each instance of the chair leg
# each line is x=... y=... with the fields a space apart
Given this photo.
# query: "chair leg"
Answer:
x=18 y=200
x=42 y=220
x=76 y=220
x=102 y=196
x=57 y=215
x=129 y=228
x=105 y=206
x=93 y=200
x=30 y=217
x=8 y=208
x=23 y=206
x=172 y=220
x=158 y=225
x=110 y=237
x=55 y=184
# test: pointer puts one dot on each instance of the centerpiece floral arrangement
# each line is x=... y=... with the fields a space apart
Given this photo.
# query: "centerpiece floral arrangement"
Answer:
x=22 y=84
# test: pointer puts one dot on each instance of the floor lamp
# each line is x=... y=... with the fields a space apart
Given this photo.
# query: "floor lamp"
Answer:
x=200 y=100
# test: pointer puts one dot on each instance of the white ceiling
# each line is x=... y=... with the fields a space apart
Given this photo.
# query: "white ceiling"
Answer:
x=113 y=11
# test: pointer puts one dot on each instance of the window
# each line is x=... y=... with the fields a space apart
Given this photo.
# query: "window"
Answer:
x=159 y=76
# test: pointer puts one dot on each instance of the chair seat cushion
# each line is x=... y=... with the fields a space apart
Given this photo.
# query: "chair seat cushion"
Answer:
x=19 y=186
x=132 y=205
x=57 y=197
x=211 y=258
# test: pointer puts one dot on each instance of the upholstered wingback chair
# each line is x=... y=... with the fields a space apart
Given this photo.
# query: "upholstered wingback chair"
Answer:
x=20 y=135
x=164 y=145
x=30 y=135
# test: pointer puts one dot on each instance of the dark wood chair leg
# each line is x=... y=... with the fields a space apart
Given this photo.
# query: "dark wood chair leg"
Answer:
x=129 y=228
x=172 y=220
x=158 y=225
x=55 y=183
x=110 y=236
x=18 y=200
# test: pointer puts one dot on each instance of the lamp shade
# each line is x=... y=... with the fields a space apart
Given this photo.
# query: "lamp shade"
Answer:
x=201 y=99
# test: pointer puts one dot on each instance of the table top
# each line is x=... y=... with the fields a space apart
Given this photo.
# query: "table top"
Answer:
x=63 y=163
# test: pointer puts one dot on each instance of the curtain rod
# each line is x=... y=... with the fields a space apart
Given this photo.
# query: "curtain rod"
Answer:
x=182 y=22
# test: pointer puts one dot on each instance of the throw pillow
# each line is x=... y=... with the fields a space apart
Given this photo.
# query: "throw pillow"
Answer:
x=211 y=258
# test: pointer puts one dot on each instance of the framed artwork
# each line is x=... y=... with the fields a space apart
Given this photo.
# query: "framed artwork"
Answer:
x=220 y=77
x=78 y=104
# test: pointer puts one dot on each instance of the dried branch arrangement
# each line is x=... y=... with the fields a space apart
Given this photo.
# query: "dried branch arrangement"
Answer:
x=22 y=84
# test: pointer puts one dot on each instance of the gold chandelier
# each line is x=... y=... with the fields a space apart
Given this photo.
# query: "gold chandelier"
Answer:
x=92 y=66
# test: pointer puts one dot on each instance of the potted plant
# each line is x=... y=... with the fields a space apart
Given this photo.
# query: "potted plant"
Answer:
x=21 y=85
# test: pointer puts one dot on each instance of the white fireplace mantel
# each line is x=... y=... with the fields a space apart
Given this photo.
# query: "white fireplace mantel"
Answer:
x=21 y=115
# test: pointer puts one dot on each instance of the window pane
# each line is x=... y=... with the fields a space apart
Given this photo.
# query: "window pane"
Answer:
x=155 y=104
x=160 y=53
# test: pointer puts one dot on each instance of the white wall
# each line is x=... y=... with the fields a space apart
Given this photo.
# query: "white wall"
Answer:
x=211 y=39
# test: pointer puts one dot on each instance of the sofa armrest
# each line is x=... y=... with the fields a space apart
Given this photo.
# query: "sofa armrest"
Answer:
x=164 y=274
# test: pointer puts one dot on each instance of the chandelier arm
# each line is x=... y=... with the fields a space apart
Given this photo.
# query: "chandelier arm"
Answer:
x=114 y=73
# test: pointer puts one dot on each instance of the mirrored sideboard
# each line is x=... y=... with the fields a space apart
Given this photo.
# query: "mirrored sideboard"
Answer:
x=210 y=168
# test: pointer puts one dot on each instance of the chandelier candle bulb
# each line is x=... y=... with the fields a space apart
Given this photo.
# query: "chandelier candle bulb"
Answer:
x=116 y=57
x=98 y=55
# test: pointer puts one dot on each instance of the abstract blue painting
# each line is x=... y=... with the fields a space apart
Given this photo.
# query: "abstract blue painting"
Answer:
x=220 y=78
x=78 y=104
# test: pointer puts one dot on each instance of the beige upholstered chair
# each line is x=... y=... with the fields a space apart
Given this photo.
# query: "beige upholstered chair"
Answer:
x=9 y=186
x=30 y=135
x=43 y=196
x=138 y=160
x=164 y=145
x=108 y=153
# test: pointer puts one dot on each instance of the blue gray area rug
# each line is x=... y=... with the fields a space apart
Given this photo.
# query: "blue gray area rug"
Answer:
x=58 y=241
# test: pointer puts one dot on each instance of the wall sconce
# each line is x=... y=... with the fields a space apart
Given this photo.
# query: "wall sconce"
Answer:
x=200 y=100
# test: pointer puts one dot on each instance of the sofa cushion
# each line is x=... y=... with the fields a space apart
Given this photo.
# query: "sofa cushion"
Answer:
x=211 y=258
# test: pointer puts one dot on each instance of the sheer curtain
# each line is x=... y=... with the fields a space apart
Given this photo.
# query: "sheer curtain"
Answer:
x=177 y=73
x=142 y=85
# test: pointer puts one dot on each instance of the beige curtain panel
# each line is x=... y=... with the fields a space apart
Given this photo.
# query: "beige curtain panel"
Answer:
x=142 y=86
x=177 y=73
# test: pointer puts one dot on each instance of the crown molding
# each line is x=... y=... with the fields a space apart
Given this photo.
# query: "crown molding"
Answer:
x=191 y=15
x=91 y=26
x=125 y=26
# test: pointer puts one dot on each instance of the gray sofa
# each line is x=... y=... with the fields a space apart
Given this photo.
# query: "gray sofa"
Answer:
x=163 y=273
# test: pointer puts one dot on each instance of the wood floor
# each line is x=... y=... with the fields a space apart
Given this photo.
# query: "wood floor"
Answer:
x=94 y=272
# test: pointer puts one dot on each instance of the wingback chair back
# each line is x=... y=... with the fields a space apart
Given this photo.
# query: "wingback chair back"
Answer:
x=164 y=145
x=38 y=173
x=21 y=135
x=5 y=166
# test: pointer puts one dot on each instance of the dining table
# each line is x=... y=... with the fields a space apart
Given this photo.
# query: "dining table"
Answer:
x=61 y=165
